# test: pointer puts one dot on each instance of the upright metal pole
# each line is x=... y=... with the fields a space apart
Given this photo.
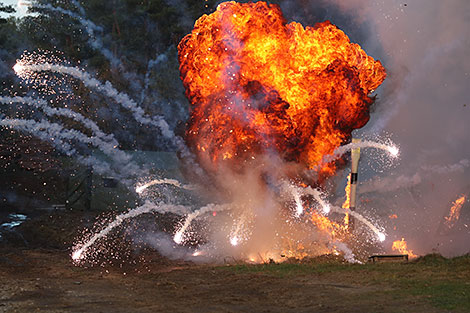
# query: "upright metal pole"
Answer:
x=355 y=155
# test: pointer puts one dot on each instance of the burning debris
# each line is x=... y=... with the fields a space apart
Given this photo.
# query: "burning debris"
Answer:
x=454 y=213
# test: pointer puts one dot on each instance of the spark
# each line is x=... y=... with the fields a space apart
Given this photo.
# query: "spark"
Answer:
x=394 y=151
x=381 y=237
x=299 y=209
x=234 y=241
x=19 y=68
x=77 y=255
x=178 y=238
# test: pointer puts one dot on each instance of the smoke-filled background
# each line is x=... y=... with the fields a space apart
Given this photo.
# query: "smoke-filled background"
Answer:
x=422 y=105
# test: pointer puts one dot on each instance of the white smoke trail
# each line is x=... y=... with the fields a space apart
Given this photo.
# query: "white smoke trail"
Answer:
x=348 y=254
x=80 y=251
x=43 y=130
x=388 y=184
x=79 y=7
x=444 y=169
x=90 y=28
x=178 y=238
x=51 y=111
x=160 y=58
x=53 y=131
x=24 y=70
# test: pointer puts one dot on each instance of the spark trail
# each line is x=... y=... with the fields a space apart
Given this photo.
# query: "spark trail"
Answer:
x=327 y=207
x=178 y=238
x=90 y=28
x=141 y=188
x=80 y=251
x=391 y=149
x=380 y=235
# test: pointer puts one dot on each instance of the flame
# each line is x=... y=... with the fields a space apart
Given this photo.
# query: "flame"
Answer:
x=257 y=84
x=454 y=213
x=402 y=247
x=326 y=225
x=346 y=202
x=294 y=251
x=393 y=216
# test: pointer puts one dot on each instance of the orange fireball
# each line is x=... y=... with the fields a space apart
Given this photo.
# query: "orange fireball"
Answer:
x=258 y=85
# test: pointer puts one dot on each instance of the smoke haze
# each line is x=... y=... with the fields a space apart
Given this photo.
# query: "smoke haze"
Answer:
x=422 y=105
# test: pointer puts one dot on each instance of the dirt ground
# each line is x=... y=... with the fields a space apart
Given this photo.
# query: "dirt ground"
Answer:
x=38 y=280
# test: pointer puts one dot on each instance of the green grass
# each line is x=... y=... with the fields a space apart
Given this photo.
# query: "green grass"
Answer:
x=446 y=294
x=443 y=283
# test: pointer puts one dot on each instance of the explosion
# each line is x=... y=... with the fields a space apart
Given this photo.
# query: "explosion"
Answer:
x=272 y=109
x=270 y=100
x=258 y=85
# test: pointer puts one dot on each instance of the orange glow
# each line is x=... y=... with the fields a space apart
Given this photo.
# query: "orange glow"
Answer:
x=295 y=251
x=346 y=203
x=393 y=216
x=324 y=224
x=257 y=84
x=454 y=213
x=402 y=247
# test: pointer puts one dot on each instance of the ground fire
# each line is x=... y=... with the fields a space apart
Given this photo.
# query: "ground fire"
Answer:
x=258 y=85
x=402 y=247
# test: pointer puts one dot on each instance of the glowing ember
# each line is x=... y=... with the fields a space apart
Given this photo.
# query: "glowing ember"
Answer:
x=454 y=213
x=257 y=84
x=402 y=247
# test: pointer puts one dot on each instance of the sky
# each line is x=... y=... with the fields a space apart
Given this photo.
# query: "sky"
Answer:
x=20 y=9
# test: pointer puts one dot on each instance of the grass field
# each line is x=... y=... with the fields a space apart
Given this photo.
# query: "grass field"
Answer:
x=443 y=283
x=46 y=281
